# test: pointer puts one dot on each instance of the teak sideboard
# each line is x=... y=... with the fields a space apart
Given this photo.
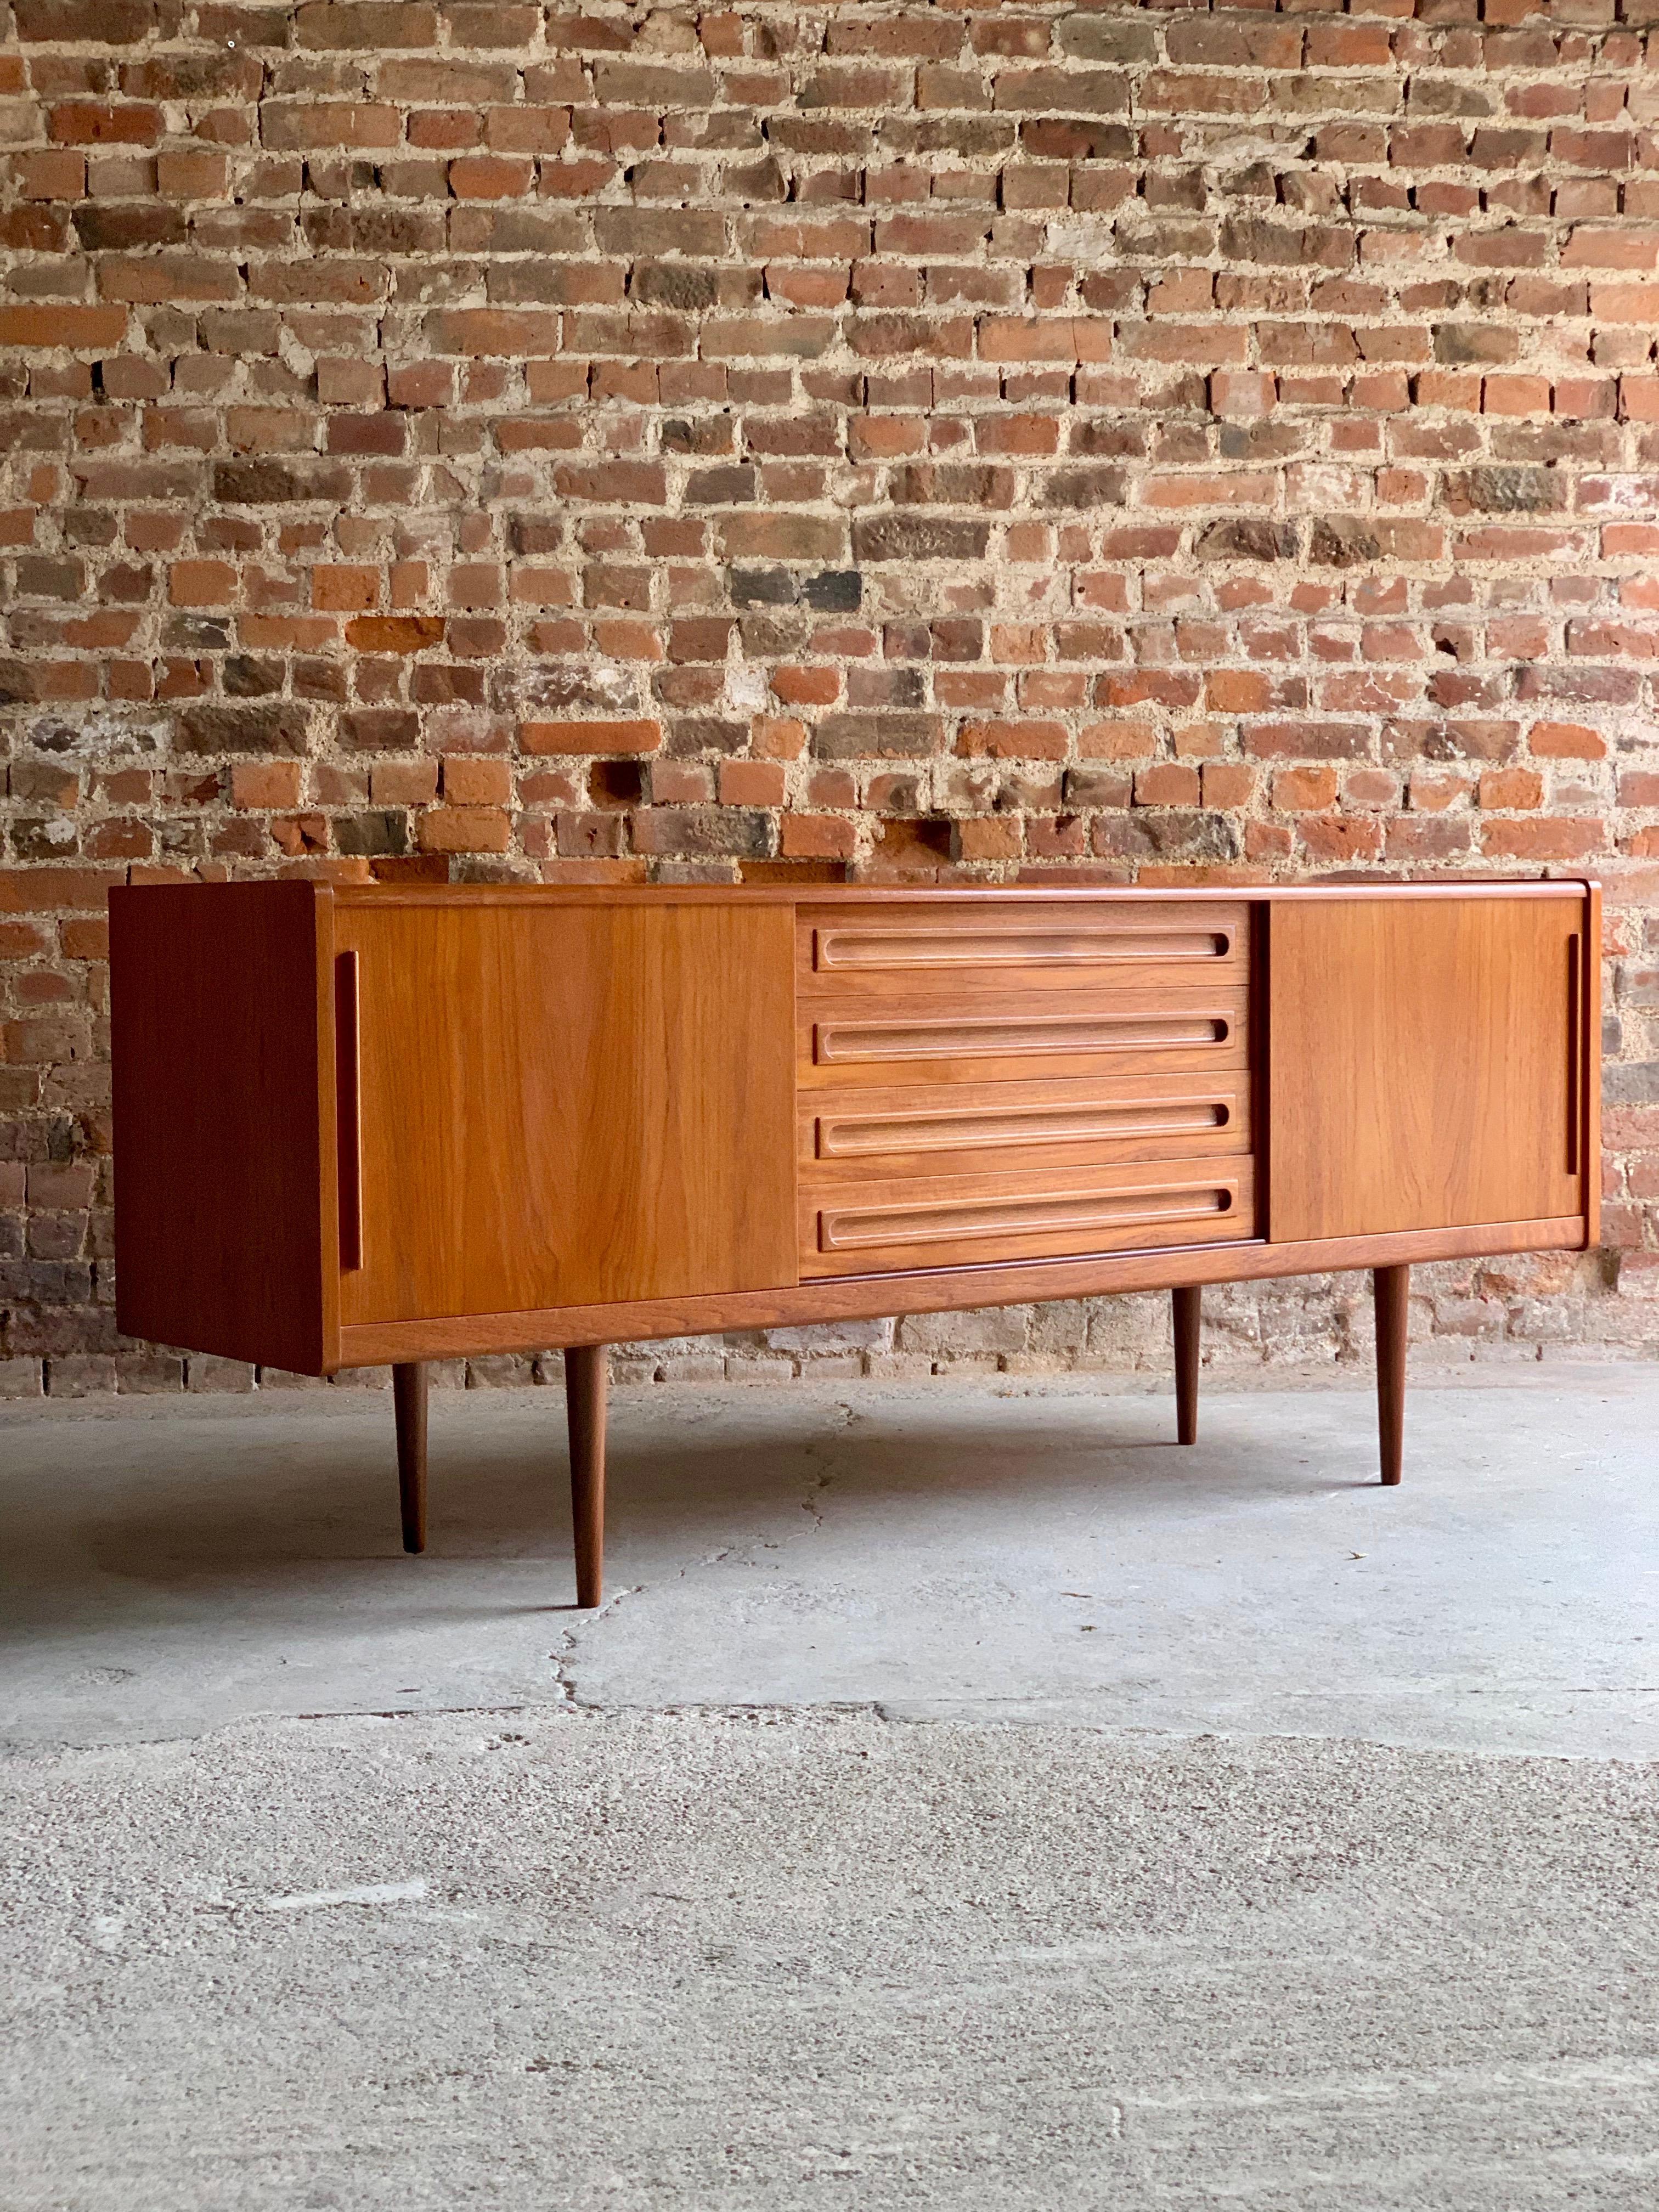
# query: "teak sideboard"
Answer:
x=400 y=1124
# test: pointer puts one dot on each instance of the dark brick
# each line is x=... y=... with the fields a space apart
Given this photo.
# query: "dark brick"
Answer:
x=280 y=727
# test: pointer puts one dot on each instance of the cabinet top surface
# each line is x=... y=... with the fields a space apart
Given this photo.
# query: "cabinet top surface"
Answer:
x=821 y=895
x=816 y=895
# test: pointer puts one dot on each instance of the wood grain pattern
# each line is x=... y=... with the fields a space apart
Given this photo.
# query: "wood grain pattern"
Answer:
x=847 y=951
x=911 y=1129
x=223 y=1050
x=1420 y=1065
x=988 y=1035
x=919 y=1221
x=979 y=948
x=988 y=898
x=944 y=1290
x=561 y=1106
x=975 y=1034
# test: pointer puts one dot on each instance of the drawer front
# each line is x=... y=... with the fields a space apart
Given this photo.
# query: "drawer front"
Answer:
x=917 y=948
x=971 y=1128
x=950 y=1221
x=968 y=1033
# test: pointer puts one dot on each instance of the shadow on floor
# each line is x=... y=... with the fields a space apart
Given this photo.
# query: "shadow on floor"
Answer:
x=251 y=1514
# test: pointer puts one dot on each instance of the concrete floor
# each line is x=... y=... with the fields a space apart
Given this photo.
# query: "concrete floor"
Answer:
x=1316 y=1871
x=980 y=1553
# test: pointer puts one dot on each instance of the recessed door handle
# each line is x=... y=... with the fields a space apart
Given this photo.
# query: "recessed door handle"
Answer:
x=1576 y=1047
x=349 y=1087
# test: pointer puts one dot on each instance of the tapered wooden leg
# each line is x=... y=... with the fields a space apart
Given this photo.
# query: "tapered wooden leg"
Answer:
x=1186 y=1304
x=584 y=1391
x=1391 y=1289
x=409 y=1404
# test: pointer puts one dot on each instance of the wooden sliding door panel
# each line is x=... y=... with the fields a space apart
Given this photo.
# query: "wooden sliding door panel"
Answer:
x=570 y=1104
x=971 y=1128
x=935 y=944
x=1425 y=1063
x=952 y=1221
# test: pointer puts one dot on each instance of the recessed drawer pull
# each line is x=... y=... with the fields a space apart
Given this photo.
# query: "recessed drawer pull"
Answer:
x=848 y=1228
x=1015 y=948
x=846 y=1040
x=847 y=1136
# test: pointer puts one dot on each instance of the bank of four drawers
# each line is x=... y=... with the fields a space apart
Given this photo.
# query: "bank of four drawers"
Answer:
x=977 y=1086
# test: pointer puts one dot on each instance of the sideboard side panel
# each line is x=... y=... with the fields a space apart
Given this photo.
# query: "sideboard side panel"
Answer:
x=1424 y=1063
x=224 y=1132
x=563 y=1105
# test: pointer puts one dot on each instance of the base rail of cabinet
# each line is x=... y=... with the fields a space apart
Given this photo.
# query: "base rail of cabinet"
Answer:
x=945 y=1290
x=586 y=1384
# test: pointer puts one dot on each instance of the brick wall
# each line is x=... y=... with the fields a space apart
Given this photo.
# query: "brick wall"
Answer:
x=1140 y=443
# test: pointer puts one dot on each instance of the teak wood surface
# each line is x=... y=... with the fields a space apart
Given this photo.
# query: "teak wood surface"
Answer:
x=362 y=1125
x=1426 y=1065
x=1081 y=1122
x=562 y=1107
x=1021 y=1213
x=944 y=1289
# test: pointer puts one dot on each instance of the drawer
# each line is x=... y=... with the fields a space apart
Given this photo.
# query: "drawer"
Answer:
x=921 y=946
x=969 y=1129
x=970 y=1032
x=952 y=1221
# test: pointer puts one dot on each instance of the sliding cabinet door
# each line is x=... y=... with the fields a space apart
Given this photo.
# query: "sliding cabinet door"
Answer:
x=564 y=1103
x=1429 y=1058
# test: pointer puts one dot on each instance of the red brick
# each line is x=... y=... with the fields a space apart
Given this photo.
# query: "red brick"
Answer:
x=477 y=782
x=103 y=123
x=1016 y=740
x=491 y=177
x=266 y=783
x=1566 y=741
x=52 y=175
x=465 y=829
x=1539 y=839
x=750 y=783
x=345 y=590
x=63 y=324
x=594 y=737
x=403 y=783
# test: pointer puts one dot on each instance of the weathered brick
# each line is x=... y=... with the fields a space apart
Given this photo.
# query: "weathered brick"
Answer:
x=590 y=737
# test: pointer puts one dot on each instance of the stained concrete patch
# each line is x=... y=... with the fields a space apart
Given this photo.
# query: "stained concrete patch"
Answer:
x=789 y=1960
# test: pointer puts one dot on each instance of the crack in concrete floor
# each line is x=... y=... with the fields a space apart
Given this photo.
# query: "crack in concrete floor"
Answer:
x=567 y=1659
x=171 y=1576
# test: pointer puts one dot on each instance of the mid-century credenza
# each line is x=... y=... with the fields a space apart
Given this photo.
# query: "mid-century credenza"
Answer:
x=400 y=1124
